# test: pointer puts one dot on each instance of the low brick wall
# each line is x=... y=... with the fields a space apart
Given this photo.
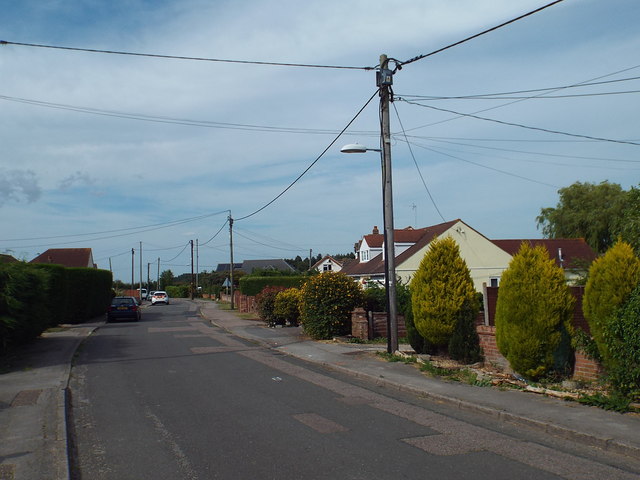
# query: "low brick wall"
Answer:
x=492 y=355
x=586 y=368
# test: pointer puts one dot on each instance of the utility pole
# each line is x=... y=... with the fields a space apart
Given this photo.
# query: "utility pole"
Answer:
x=110 y=269
x=140 y=288
x=132 y=268
x=197 y=264
x=310 y=253
x=191 y=242
x=158 y=277
x=384 y=80
x=148 y=277
x=231 y=251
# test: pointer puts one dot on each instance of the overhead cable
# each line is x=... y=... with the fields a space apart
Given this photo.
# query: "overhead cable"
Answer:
x=416 y=164
x=420 y=57
x=179 y=57
x=540 y=129
x=314 y=162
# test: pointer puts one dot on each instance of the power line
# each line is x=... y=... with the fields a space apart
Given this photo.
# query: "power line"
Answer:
x=416 y=164
x=540 y=129
x=312 y=163
x=534 y=90
x=488 y=168
x=180 y=57
x=143 y=228
x=420 y=57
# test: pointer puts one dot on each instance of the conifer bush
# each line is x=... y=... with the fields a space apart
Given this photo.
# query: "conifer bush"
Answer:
x=464 y=344
x=533 y=312
x=327 y=302
x=439 y=289
x=612 y=278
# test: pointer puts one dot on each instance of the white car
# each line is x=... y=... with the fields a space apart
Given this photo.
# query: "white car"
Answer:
x=160 y=296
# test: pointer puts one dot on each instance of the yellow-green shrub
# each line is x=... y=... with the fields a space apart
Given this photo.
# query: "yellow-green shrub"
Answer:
x=612 y=278
x=287 y=306
x=439 y=289
x=533 y=312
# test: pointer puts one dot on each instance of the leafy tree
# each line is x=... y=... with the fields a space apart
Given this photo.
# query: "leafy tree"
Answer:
x=587 y=210
x=612 y=277
x=533 y=312
x=327 y=302
x=628 y=225
x=439 y=289
x=166 y=279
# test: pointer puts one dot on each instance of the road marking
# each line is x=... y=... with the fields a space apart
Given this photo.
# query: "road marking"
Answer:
x=26 y=398
x=171 y=329
x=319 y=423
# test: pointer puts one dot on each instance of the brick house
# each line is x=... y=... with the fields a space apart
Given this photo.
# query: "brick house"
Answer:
x=67 y=257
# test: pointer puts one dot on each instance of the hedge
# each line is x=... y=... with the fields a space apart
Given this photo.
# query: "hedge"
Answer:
x=34 y=297
x=252 y=286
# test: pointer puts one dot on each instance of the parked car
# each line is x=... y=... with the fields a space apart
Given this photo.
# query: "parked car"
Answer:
x=160 y=296
x=124 y=308
x=149 y=295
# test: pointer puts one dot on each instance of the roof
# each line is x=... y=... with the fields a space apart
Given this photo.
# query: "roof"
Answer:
x=225 y=267
x=4 y=258
x=248 y=266
x=67 y=257
x=573 y=250
x=330 y=258
x=419 y=237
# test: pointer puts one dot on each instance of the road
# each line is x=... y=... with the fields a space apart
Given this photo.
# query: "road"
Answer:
x=173 y=397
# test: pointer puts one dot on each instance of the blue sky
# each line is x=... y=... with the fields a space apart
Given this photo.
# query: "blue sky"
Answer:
x=75 y=179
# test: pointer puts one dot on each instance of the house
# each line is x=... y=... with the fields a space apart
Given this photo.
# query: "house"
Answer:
x=279 y=264
x=67 y=257
x=226 y=267
x=574 y=255
x=4 y=258
x=485 y=258
x=330 y=264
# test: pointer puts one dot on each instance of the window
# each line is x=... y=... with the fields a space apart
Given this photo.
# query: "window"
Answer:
x=326 y=267
x=494 y=281
x=364 y=255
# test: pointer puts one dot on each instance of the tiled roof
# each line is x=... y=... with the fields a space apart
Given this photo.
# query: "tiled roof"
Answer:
x=4 y=258
x=68 y=257
x=573 y=249
x=248 y=266
x=420 y=237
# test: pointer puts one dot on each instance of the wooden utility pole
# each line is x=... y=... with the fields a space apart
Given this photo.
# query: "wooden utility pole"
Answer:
x=231 y=254
x=384 y=81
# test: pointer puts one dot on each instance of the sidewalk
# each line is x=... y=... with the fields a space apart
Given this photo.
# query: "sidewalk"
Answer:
x=33 y=401
x=609 y=431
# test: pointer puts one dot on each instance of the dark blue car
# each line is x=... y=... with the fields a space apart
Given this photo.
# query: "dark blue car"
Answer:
x=123 y=308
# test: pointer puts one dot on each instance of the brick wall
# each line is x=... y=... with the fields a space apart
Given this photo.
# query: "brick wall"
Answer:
x=586 y=368
x=492 y=356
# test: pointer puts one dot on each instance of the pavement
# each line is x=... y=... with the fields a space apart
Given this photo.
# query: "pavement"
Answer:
x=34 y=395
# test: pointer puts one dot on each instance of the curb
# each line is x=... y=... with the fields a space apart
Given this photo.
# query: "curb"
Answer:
x=603 y=443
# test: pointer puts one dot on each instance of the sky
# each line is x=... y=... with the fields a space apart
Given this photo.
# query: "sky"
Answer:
x=120 y=152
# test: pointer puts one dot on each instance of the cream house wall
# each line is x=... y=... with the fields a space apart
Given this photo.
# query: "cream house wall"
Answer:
x=483 y=258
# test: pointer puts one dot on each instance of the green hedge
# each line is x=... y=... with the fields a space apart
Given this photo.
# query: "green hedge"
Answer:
x=252 y=286
x=34 y=297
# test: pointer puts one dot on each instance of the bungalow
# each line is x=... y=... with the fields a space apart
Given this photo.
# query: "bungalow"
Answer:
x=485 y=258
x=330 y=264
x=67 y=257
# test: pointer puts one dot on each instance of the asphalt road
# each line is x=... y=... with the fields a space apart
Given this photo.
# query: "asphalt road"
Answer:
x=172 y=397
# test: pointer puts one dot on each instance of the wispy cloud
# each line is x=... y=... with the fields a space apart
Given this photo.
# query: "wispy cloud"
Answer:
x=19 y=186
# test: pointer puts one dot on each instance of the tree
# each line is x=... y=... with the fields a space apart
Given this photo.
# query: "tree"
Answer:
x=533 y=313
x=628 y=225
x=612 y=277
x=589 y=211
x=166 y=279
x=439 y=289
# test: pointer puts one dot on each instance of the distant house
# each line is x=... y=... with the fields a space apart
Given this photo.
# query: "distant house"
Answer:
x=278 y=264
x=67 y=257
x=330 y=264
x=486 y=259
x=226 y=267
x=4 y=258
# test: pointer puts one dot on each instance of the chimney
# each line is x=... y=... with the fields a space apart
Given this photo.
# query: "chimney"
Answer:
x=375 y=230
